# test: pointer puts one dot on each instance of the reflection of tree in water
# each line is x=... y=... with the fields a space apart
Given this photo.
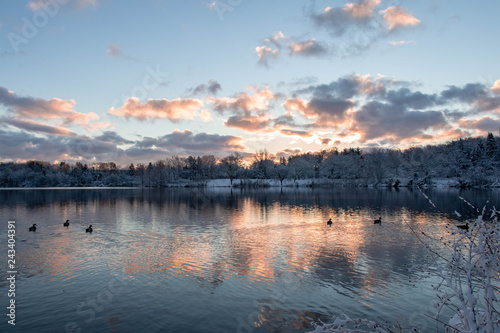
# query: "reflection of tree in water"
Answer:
x=199 y=198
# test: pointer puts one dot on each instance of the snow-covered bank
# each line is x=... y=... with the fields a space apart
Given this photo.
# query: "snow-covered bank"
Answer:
x=325 y=182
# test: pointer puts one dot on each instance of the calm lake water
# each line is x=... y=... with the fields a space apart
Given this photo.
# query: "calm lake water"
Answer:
x=220 y=260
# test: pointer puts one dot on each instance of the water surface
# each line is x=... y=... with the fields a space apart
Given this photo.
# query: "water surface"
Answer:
x=220 y=260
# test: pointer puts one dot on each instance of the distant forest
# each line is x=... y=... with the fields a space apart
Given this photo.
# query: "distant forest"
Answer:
x=464 y=162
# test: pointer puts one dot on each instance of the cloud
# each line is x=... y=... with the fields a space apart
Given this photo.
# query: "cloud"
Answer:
x=396 y=17
x=340 y=19
x=468 y=93
x=401 y=42
x=325 y=141
x=249 y=123
x=277 y=39
x=377 y=120
x=212 y=87
x=296 y=82
x=484 y=124
x=305 y=48
x=326 y=111
x=358 y=26
x=243 y=102
x=35 y=126
x=382 y=110
x=189 y=142
x=79 y=4
x=113 y=137
x=21 y=145
x=417 y=100
x=51 y=109
x=247 y=112
x=348 y=87
x=173 y=110
x=477 y=95
x=290 y=132
x=496 y=87
x=308 y=48
x=266 y=54
x=284 y=120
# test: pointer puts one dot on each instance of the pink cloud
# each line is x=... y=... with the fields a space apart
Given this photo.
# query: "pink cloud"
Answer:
x=39 y=127
x=173 y=110
x=483 y=125
x=398 y=17
x=308 y=47
x=243 y=102
x=496 y=87
x=362 y=9
x=51 y=109
x=265 y=54
x=248 y=112
x=250 y=123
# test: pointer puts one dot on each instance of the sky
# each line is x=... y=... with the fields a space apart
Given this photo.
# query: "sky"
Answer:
x=138 y=81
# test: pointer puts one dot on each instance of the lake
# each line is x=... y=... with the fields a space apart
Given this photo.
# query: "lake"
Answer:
x=221 y=260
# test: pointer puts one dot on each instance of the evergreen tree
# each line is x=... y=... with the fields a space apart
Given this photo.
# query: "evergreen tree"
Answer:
x=491 y=146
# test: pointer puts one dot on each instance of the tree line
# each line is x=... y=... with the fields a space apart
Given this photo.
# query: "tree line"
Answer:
x=466 y=162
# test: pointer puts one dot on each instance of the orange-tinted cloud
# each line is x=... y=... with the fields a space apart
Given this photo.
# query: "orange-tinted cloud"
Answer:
x=496 y=87
x=173 y=110
x=396 y=17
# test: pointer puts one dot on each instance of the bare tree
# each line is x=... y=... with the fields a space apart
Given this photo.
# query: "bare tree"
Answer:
x=232 y=165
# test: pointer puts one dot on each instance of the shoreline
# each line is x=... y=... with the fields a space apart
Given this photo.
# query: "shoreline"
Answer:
x=274 y=183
